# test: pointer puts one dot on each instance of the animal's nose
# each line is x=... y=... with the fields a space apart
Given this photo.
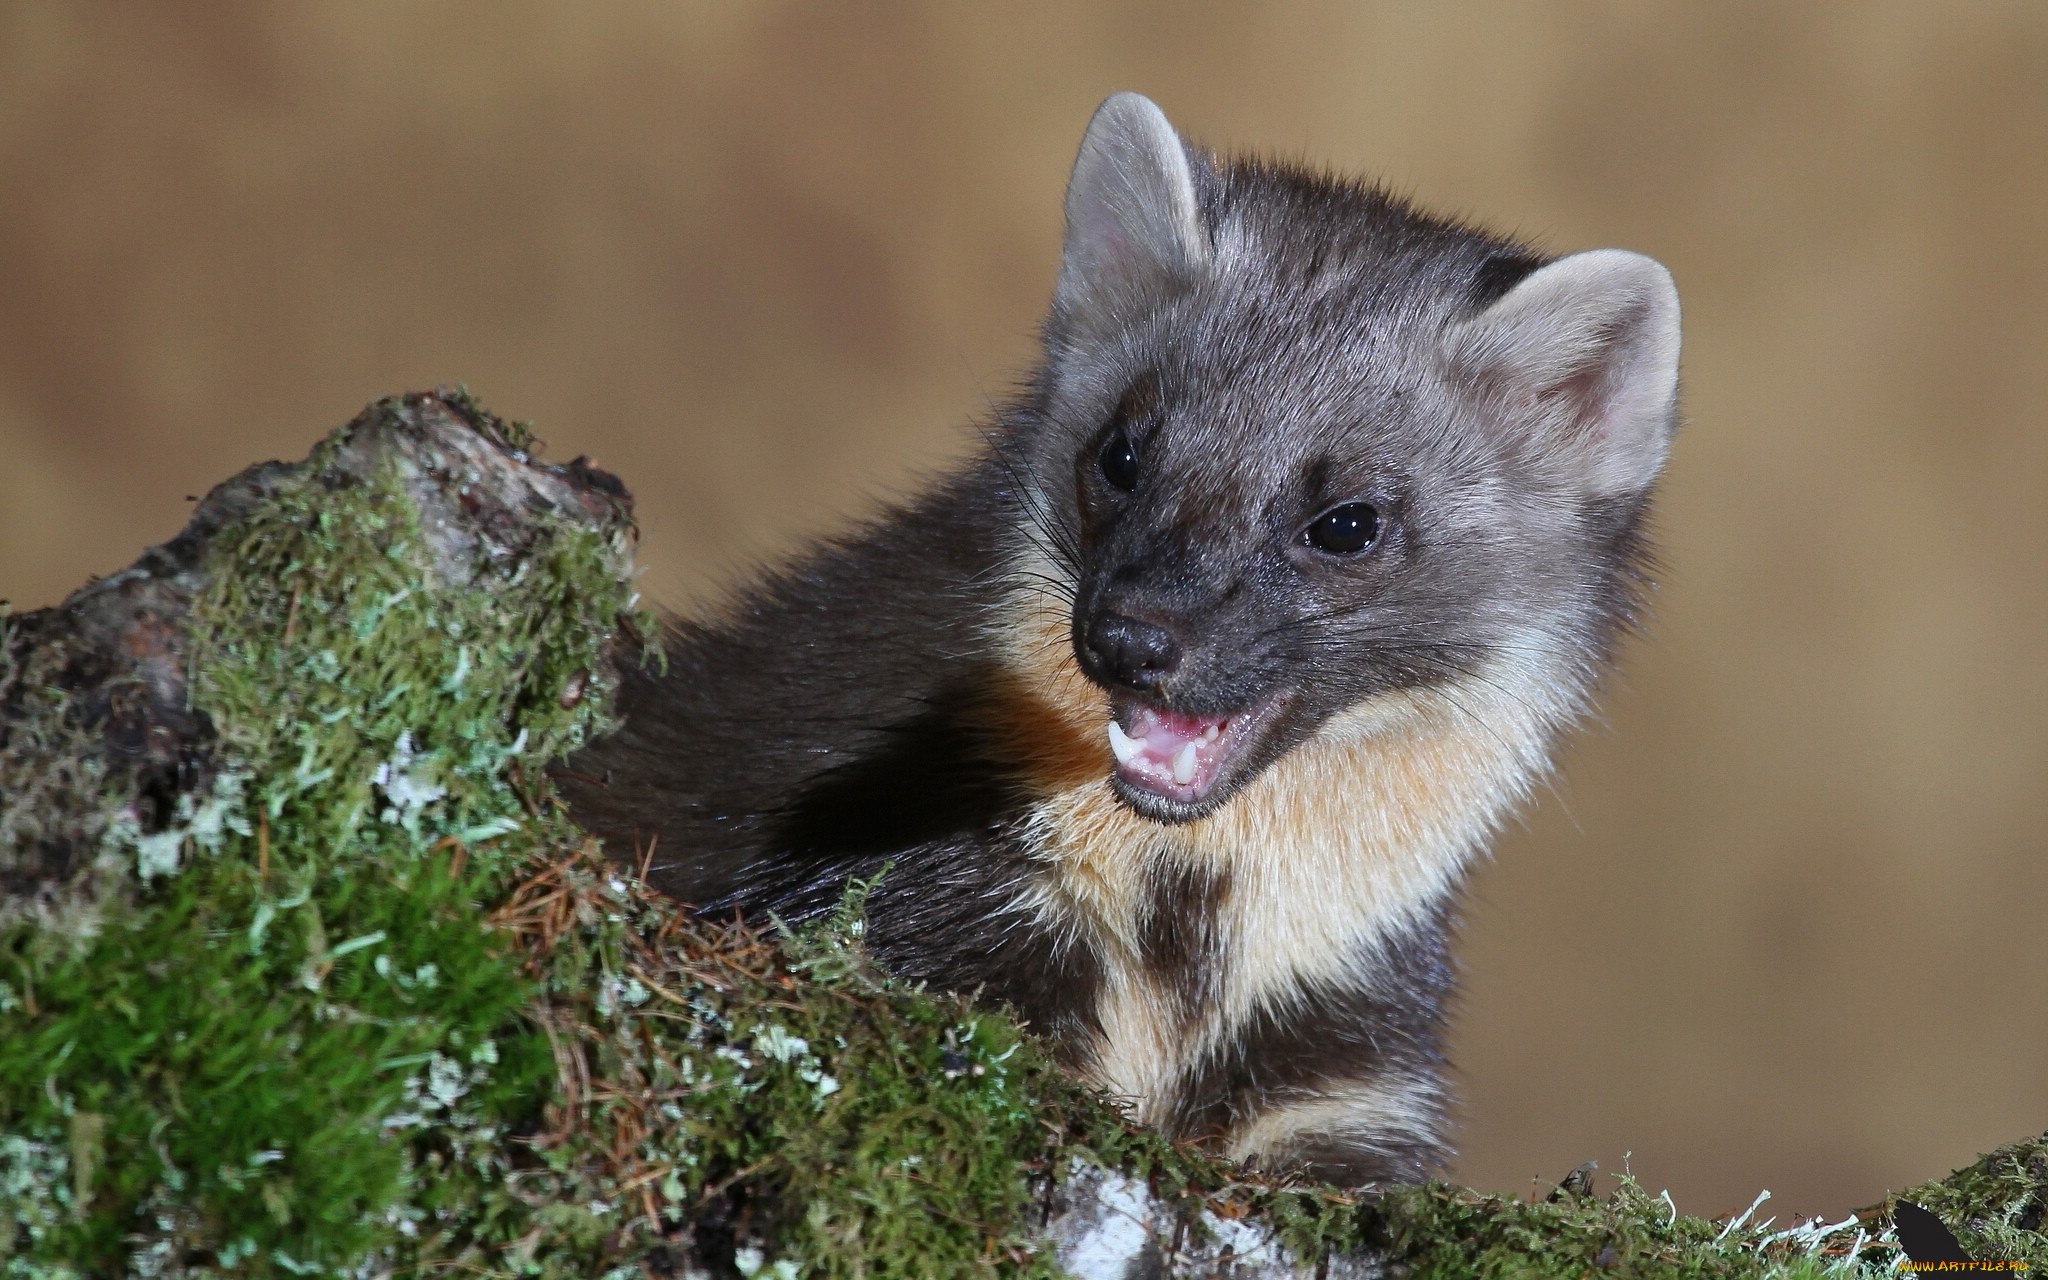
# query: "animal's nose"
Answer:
x=1137 y=655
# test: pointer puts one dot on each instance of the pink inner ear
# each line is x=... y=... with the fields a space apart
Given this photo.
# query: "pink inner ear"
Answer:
x=1587 y=392
x=1116 y=252
x=1117 y=260
x=1586 y=395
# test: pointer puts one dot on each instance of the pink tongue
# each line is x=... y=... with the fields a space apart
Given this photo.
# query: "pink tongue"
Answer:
x=1164 y=733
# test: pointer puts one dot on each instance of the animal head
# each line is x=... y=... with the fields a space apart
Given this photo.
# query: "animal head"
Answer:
x=1297 y=447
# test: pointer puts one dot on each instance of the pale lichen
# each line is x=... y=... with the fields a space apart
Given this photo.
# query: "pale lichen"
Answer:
x=361 y=1002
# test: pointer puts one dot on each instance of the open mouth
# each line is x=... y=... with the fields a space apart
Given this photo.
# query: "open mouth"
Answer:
x=1184 y=760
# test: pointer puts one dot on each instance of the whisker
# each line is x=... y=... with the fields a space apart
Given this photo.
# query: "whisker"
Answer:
x=1053 y=539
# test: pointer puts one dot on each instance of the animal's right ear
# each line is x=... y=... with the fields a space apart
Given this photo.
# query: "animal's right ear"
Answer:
x=1134 y=234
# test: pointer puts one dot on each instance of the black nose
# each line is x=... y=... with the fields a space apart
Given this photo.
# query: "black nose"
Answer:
x=1132 y=653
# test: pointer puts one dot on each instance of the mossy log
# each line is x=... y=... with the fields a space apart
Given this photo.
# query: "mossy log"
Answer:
x=303 y=970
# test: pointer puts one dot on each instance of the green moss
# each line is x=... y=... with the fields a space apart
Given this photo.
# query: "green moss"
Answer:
x=371 y=1005
x=1997 y=1206
x=1444 y=1231
x=302 y=1012
x=377 y=951
x=790 y=1103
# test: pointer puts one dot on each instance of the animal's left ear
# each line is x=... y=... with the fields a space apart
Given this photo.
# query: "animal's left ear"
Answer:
x=1581 y=356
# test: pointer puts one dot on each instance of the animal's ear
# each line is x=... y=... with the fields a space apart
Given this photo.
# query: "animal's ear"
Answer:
x=1581 y=358
x=1133 y=232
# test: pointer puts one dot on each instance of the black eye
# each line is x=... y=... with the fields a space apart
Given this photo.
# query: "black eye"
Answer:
x=1345 y=530
x=1118 y=462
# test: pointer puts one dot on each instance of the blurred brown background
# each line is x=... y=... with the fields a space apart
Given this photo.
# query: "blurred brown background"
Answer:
x=1781 y=924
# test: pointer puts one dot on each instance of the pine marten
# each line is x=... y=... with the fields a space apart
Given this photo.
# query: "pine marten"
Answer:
x=1179 y=711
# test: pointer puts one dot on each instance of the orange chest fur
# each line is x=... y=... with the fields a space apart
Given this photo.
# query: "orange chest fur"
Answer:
x=1351 y=837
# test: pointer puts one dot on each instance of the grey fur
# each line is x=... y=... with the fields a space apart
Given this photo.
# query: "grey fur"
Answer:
x=1273 y=344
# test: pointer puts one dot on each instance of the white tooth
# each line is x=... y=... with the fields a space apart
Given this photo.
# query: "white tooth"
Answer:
x=1184 y=765
x=1122 y=743
x=1212 y=733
